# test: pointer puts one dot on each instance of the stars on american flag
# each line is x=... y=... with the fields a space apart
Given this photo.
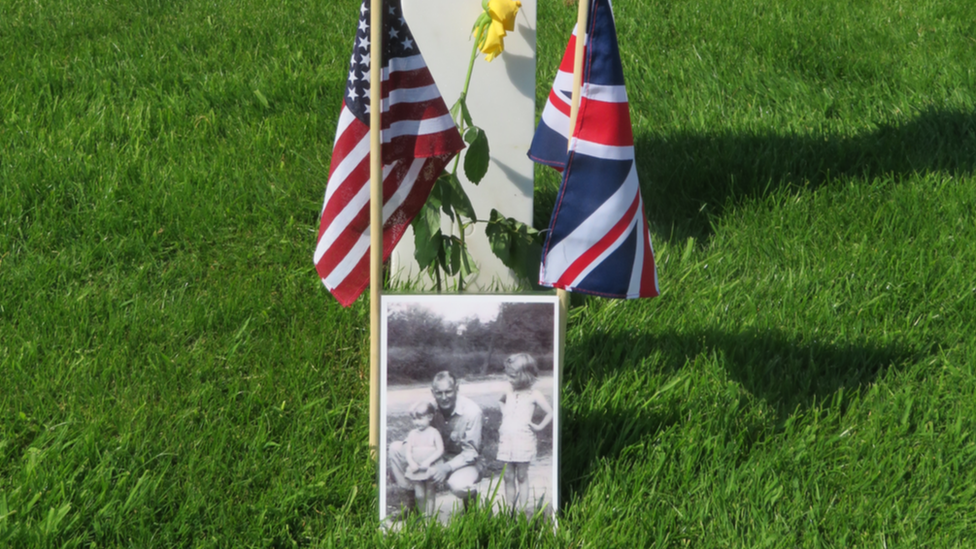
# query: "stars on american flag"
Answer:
x=398 y=43
x=424 y=141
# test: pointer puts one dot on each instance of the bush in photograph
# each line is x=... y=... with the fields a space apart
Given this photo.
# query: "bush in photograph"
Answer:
x=419 y=364
x=422 y=343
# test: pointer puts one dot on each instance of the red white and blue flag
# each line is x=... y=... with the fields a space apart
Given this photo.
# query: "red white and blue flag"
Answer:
x=419 y=139
x=598 y=240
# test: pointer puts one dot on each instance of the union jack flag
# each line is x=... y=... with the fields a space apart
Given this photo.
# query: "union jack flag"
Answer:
x=419 y=139
x=598 y=240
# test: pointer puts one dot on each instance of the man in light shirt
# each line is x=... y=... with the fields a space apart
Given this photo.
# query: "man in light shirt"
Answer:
x=459 y=421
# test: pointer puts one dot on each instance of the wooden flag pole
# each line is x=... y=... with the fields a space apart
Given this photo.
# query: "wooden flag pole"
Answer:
x=581 y=24
x=375 y=217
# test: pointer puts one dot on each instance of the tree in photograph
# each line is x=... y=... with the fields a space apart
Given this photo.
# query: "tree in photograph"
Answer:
x=417 y=326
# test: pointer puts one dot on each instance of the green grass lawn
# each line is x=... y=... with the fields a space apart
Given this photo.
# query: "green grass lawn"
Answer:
x=175 y=375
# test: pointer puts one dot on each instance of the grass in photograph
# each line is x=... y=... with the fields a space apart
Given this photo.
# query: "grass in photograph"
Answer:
x=174 y=374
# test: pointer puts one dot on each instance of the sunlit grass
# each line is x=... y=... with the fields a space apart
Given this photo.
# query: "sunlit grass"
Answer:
x=174 y=375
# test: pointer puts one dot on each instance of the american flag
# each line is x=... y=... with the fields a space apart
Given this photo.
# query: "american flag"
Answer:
x=419 y=139
x=598 y=240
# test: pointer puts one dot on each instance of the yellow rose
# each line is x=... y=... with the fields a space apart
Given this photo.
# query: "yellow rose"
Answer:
x=493 y=43
x=502 y=13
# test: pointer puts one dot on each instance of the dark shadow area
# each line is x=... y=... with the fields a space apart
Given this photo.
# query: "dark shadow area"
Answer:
x=518 y=68
x=521 y=182
x=786 y=372
x=586 y=437
x=789 y=374
x=689 y=179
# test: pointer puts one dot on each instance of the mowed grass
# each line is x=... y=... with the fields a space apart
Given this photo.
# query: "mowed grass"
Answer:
x=174 y=375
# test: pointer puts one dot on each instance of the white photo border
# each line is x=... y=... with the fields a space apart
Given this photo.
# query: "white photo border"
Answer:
x=387 y=300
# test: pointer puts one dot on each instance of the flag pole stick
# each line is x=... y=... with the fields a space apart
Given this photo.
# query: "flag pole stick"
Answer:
x=581 y=24
x=375 y=217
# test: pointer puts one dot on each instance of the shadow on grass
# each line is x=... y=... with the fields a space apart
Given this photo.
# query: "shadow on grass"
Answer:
x=689 y=179
x=787 y=373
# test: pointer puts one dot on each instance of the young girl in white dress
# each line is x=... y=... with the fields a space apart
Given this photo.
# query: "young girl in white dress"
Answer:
x=516 y=436
x=423 y=449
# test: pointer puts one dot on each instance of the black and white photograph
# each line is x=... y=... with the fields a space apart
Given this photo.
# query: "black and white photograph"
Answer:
x=468 y=403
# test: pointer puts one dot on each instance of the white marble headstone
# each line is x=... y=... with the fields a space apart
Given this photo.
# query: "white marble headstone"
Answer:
x=501 y=99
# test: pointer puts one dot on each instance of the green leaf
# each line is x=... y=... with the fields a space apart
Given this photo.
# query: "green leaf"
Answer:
x=444 y=254
x=455 y=256
x=464 y=112
x=442 y=189
x=499 y=238
x=516 y=244
x=455 y=108
x=477 y=156
x=468 y=266
x=458 y=199
x=262 y=99
x=427 y=233
x=482 y=19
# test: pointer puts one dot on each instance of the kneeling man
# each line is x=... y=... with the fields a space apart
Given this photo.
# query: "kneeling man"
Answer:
x=459 y=421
